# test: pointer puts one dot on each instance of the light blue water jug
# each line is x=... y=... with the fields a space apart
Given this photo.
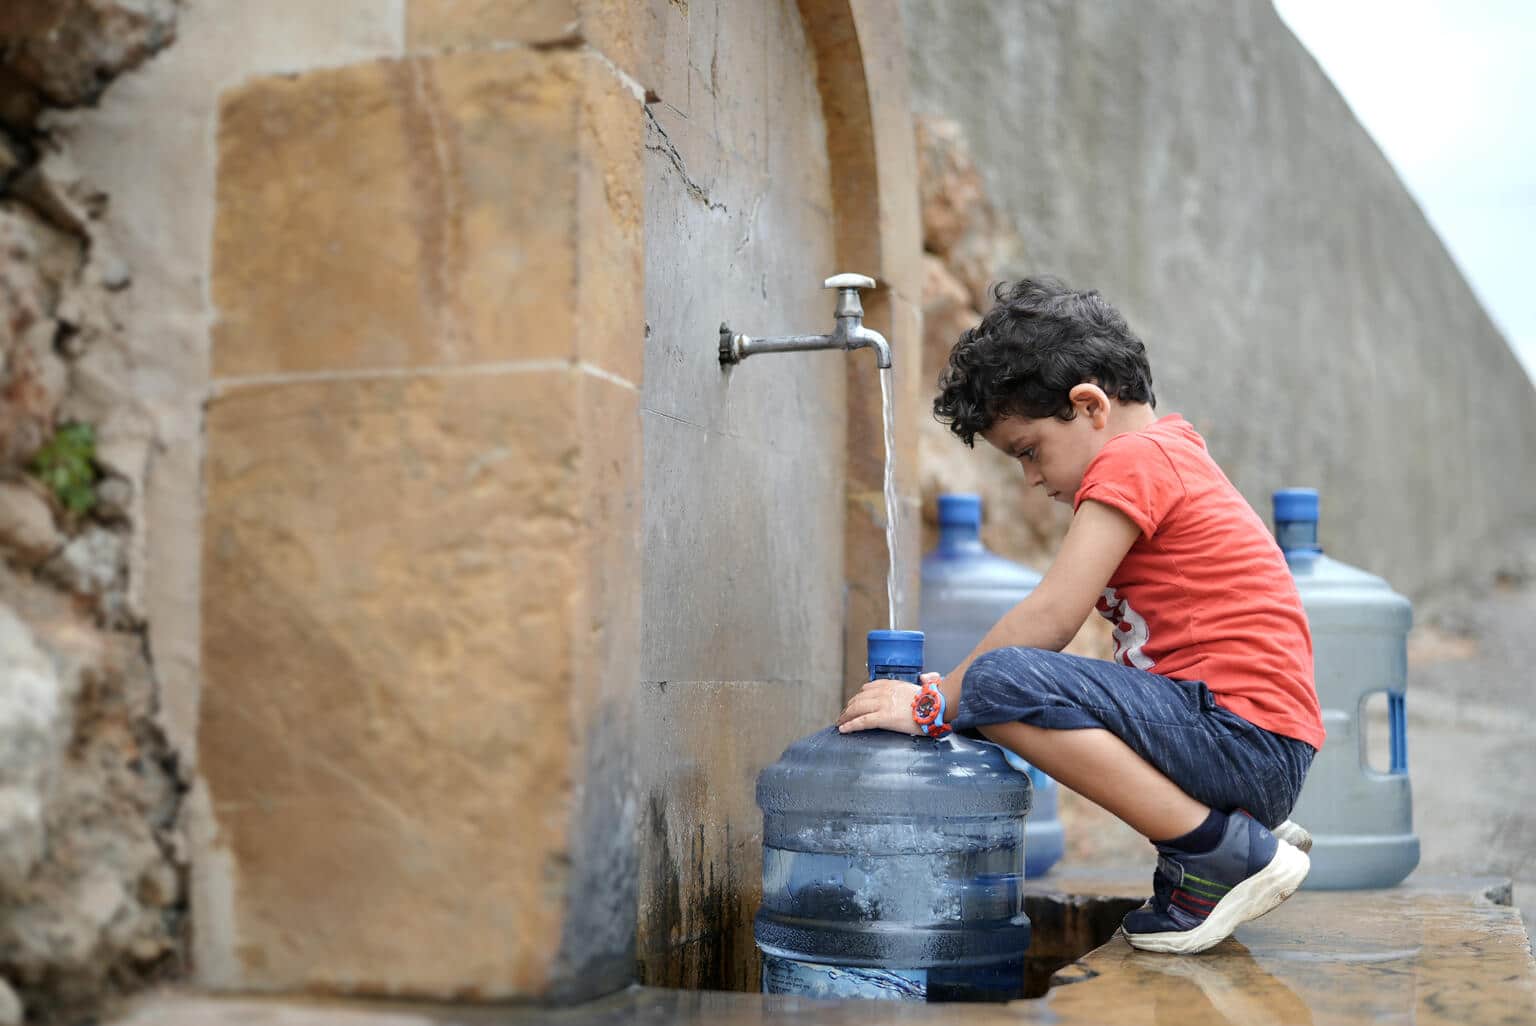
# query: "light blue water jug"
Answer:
x=892 y=864
x=1361 y=820
x=966 y=589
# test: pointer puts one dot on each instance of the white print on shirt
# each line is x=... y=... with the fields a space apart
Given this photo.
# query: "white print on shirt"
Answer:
x=1130 y=630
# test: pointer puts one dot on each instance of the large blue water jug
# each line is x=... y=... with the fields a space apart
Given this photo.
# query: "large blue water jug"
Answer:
x=966 y=589
x=892 y=865
x=1361 y=819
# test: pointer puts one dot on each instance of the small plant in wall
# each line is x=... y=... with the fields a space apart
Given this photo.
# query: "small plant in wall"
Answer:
x=66 y=465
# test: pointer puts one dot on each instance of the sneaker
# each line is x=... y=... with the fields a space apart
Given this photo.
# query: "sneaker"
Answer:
x=1198 y=900
x=1294 y=834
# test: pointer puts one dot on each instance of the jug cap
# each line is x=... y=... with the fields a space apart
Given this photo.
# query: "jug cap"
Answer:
x=1292 y=504
x=892 y=649
x=959 y=509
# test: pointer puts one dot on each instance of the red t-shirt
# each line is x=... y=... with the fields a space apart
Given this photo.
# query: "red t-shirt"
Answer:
x=1204 y=593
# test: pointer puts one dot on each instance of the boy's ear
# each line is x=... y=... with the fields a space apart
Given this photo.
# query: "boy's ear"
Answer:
x=1091 y=402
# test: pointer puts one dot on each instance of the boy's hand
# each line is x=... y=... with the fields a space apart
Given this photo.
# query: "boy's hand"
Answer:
x=883 y=704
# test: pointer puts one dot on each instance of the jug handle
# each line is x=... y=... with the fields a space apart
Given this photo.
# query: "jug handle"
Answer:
x=1397 y=716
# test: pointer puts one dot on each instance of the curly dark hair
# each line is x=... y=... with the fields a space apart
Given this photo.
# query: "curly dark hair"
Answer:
x=1039 y=340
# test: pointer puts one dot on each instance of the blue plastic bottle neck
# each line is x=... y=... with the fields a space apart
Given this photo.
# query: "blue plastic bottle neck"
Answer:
x=959 y=540
x=894 y=655
x=1296 y=513
x=1297 y=538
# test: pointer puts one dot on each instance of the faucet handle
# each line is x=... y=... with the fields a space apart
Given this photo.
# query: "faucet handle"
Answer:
x=849 y=281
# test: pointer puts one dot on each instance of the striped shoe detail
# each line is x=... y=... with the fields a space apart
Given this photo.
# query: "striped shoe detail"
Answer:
x=1191 y=904
x=1193 y=894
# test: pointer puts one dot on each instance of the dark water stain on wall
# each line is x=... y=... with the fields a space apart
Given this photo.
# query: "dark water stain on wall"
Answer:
x=697 y=906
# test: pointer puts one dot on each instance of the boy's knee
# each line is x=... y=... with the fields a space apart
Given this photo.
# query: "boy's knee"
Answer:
x=988 y=668
x=1013 y=666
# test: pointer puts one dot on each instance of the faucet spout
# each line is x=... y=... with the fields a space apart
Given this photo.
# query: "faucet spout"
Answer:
x=849 y=333
x=875 y=340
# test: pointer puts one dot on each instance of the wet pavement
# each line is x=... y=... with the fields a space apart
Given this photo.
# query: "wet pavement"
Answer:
x=1430 y=951
x=1435 y=950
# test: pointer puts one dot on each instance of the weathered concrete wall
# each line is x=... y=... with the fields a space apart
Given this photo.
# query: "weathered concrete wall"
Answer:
x=1191 y=161
x=742 y=649
x=748 y=518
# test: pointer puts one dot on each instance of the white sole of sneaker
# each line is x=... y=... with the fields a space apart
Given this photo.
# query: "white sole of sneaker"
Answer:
x=1250 y=899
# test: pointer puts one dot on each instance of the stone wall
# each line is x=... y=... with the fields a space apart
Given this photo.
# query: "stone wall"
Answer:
x=391 y=280
x=420 y=551
x=393 y=323
x=92 y=856
x=1192 y=162
x=411 y=539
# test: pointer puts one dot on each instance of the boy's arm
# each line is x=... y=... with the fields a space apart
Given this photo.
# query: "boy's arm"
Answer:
x=1048 y=617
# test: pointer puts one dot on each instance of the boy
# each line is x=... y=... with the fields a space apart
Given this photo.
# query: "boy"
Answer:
x=1200 y=733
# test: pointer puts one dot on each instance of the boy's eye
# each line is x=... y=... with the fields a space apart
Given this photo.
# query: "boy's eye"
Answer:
x=1027 y=454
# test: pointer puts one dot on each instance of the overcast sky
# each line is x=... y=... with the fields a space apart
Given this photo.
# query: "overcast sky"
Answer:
x=1448 y=89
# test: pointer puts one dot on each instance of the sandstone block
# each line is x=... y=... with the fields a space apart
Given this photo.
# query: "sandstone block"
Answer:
x=396 y=587
x=427 y=211
x=613 y=27
x=450 y=24
x=610 y=215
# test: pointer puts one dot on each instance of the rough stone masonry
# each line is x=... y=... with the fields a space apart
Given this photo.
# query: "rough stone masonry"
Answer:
x=91 y=865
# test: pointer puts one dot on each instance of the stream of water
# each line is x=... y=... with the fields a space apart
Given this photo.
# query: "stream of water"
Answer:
x=892 y=508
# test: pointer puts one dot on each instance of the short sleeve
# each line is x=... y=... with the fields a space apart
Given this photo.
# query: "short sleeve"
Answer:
x=1132 y=474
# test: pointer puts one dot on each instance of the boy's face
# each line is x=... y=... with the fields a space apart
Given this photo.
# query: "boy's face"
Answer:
x=1054 y=453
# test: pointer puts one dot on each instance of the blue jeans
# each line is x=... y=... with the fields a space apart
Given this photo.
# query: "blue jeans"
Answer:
x=1216 y=757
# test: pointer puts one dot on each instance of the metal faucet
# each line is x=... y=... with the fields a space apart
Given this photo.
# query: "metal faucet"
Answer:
x=849 y=333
